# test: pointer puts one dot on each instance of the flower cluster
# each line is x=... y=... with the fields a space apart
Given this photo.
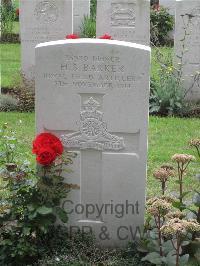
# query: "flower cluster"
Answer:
x=183 y=158
x=158 y=206
x=163 y=174
x=177 y=214
x=196 y=144
x=17 y=12
x=106 y=37
x=72 y=36
x=75 y=36
x=179 y=227
x=156 y=7
x=47 y=148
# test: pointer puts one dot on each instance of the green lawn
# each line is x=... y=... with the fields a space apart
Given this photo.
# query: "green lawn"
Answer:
x=166 y=137
x=16 y=27
x=10 y=64
x=16 y=3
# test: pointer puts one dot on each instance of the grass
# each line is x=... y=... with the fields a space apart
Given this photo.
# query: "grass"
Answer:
x=16 y=27
x=165 y=55
x=167 y=136
x=16 y=3
x=10 y=64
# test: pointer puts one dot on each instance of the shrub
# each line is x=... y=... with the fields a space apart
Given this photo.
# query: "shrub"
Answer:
x=88 y=28
x=31 y=204
x=7 y=18
x=167 y=96
x=161 y=24
x=93 y=9
x=8 y=103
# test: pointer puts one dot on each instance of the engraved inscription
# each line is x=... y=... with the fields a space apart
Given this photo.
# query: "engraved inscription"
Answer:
x=46 y=11
x=123 y=15
x=107 y=72
x=93 y=132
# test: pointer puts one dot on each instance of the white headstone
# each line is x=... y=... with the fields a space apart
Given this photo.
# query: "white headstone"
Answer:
x=170 y=5
x=81 y=8
x=93 y=94
x=42 y=21
x=124 y=20
x=188 y=27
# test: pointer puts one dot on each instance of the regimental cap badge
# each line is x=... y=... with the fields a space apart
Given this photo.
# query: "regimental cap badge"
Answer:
x=91 y=104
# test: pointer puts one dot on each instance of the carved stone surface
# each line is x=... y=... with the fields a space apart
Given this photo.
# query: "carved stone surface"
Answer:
x=46 y=11
x=93 y=94
x=93 y=132
x=81 y=8
x=123 y=15
x=124 y=20
x=188 y=20
x=42 y=21
x=170 y=5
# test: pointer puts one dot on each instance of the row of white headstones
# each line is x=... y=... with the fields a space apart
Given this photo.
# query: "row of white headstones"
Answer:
x=125 y=20
x=93 y=94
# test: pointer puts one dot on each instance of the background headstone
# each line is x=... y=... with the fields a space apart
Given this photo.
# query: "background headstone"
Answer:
x=42 y=21
x=81 y=8
x=94 y=95
x=124 y=20
x=170 y=5
x=187 y=33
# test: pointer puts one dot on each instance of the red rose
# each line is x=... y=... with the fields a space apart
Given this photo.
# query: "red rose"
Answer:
x=47 y=140
x=46 y=156
x=106 y=37
x=17 y=12
x=72 y=36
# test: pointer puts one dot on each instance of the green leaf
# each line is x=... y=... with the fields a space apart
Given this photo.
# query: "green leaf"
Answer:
x=153 y=257
x=44 y=210
x=32 y=215
x=171 y=258
x=185 y=243
x=167 y=246
x=62 y=214
x=185 y=194
x=183 y=260
x=26 y=231
x=178 y=181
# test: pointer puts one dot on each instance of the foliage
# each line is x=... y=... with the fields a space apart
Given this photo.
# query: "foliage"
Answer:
x=7 y=14
x=93 y=9
x=161 y=24
x=80 y=249
x=166 y=96
x=31 y=203
x=7 y=103
x=170 y=238
x=88 y=28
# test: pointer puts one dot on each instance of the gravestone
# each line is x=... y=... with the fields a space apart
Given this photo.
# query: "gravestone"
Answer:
x=81 y=8
x=124 y=20
x=93 y=94
x=42 y=21
x=187 y=34
x=170 y=5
